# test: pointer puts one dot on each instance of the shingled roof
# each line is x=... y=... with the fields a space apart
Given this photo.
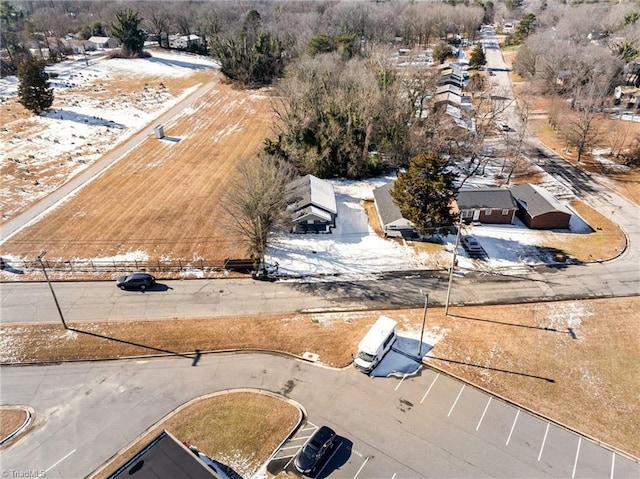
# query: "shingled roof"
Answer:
x=387 y=209
x=536 y=200
x=484 y=198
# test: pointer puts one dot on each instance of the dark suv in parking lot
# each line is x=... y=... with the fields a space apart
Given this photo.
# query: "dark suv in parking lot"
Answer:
x=315 y=450
x=136 y=281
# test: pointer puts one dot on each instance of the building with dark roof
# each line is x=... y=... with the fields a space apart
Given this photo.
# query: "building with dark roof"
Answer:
x=165 y=457
x=312 y=203
x=486 y=205
x=539 y=209
x=393 y=224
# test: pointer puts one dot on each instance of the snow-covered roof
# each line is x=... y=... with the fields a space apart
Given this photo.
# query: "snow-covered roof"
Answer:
x=99 y=40
x=310 y=190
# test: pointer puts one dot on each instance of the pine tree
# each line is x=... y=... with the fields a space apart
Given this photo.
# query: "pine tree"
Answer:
x=424 y=192
x=34 y=90
x=478 y=58
x=127 y=30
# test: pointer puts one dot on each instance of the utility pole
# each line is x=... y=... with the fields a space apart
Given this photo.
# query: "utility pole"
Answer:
x=453 y=265
x=424 y=320
x=44 y=270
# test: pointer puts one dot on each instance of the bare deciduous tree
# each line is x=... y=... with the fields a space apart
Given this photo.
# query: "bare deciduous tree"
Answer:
x=255 y=202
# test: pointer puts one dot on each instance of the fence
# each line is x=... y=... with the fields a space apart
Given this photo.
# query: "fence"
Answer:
x=110 y=266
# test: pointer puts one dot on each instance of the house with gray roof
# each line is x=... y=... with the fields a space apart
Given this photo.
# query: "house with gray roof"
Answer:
x=393 y=224
x=486 y=205
x=312 y=203
x=539 y=209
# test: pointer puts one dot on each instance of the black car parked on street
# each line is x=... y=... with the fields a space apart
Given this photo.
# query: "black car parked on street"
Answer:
x=140 y=281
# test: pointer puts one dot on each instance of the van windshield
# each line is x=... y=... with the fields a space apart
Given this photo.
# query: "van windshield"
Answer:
x=366 y=357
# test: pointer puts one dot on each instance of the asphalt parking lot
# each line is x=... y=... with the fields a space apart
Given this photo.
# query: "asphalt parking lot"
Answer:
x=495 y=438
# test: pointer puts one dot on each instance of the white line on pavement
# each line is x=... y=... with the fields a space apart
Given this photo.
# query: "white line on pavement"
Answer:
x=394 y=476
x=319 y=473
x=613 y=461
x=432 y=383
x=544 y=439
x=575 y=464
x=400 y=382
x=47 y=470
x=456 y=401
x=483 y=413
x=366 y=459
x=513 y=426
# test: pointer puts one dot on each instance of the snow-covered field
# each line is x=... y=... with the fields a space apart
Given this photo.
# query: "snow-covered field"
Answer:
x=87 y=125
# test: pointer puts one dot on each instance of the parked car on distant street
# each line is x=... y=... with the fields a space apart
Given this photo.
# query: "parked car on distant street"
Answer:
x=504 y=127
x=470 y=244
x=140 y=281
x=315 y=450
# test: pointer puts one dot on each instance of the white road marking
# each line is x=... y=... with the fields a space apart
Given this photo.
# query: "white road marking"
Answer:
x=328 y=461
x=47 y=470
x=483 y=413
x=400 y=382
x=456 y=401
x=366 y=459
x=432 y=383
x=394 y=476
x=544 y=439
x=575 y=463
x=290 y=447
x=613 y=461
x=513 y=426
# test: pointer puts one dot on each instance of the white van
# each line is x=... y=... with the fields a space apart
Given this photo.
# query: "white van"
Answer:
x=375 y=344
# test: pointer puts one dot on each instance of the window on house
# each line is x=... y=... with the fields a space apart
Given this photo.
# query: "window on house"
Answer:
x=505 y=212
x=487 y=211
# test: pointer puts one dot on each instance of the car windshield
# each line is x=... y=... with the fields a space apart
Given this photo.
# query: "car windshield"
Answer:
x=366 y=356
x=311 y=450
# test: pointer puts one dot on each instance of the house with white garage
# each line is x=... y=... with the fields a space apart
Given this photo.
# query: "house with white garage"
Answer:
x=95 y=43
x=539 y=209
x=486 y=205
x=393 y=224
x=312 y=203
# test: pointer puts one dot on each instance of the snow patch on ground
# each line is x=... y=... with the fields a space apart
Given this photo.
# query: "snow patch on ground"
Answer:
x=564 y=316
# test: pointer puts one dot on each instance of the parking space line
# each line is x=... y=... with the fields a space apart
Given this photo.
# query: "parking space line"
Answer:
x=575 y=463
x=432 y=383
x=58 y=462
x=366 y=459
x=400 y=382
x=484 y=412
x=319 y=473
x=290 y=447
x=394 y=476
x=544 y=439
x=513 y=426
x=456 y=401
x=613 y=461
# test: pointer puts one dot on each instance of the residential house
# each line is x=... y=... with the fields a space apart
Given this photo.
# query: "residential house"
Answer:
x=539 y=209
x=449 y=89
x=486 y=205
x=164 y=457
x=451 y=79
x=312 y=203
x=393 y=224
x=627 y=96
x=182 y=42
x=95 y=43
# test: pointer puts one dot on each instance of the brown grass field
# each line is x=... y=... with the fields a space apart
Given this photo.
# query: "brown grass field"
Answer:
x=523 y=352
x=163 y=197
x=11 y=418
x=248 y=427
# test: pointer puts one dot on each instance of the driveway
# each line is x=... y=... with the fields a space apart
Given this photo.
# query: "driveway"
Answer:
x=425 y=426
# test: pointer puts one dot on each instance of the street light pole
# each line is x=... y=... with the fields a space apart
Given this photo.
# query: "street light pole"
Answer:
x=424 y=320
x=44 y=270
x=453 y=265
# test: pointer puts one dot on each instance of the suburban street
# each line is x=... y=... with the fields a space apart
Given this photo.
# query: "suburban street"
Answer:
x=428 y=425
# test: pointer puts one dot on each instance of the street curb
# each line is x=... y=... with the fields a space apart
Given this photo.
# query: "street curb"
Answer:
x=531 y=411
x=7 y=441
x=301 y=411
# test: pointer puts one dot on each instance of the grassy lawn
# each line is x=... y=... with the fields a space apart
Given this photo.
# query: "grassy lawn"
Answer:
x=239 y=429
x=11 y=418
x=524 y=352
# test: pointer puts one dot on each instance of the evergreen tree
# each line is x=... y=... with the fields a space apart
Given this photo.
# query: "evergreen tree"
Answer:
x=478 y=58
x=425 y=191
x=127 y=30
x=33 y=89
